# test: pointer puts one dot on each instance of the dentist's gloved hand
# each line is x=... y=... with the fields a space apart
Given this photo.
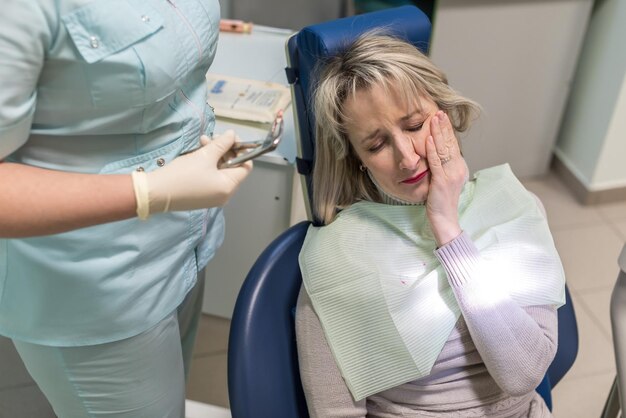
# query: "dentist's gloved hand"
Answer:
x=191 y=181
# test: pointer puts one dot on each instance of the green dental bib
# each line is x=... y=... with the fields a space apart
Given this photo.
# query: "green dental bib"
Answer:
x=382 y=296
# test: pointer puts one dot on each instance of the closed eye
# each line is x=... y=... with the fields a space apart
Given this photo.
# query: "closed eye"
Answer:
x=415 y=128
x=376 y=146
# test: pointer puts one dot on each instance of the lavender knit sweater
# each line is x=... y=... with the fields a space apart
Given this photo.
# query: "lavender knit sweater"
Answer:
x=490 y=366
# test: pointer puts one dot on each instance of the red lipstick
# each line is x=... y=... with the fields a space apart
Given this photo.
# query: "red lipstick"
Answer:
x=417 y=178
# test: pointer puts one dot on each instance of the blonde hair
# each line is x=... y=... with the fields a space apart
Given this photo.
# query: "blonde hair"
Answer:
x=373 y=59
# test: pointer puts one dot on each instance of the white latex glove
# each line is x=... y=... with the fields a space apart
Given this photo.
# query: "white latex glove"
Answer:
x=191 y=181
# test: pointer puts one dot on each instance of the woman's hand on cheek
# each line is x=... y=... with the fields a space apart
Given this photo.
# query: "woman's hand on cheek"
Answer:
x=448 y=174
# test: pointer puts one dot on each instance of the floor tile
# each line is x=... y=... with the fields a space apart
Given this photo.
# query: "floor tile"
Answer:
x=212 y=335
x=589 y=255
x=597 y=303
x=595 y=350
x=620 y=226
x=12 y=371
x=613 y=211
x=562 y=208
x=24 y=402
x=581 y=397
x=208 y=380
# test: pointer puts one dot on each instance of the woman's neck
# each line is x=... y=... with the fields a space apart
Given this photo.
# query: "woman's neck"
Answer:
x=389 y=199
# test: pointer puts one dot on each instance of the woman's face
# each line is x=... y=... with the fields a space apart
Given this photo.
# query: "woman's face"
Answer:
x=389 y=137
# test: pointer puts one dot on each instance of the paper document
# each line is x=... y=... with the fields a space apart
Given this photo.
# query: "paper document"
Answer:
x=245 y=99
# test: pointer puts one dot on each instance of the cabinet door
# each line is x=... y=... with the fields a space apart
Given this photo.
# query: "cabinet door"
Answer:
x=258 y=213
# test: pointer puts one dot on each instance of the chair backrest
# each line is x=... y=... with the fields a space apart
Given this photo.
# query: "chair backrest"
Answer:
x=568 y=342
x=316 y=43
x=263 y=373
x=567 y=349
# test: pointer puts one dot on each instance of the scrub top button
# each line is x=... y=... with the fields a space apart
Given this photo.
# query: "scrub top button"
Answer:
x=140 y=169
x=160 y=162
x=94 y=42
x=145 y=18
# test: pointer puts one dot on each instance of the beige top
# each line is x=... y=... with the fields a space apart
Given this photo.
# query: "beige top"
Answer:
x=490 y=365
x=459 y=385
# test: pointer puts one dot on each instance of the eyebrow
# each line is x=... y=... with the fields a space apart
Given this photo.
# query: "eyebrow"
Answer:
x=370 y=136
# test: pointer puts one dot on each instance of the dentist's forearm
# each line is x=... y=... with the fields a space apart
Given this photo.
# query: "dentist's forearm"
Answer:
x=36 y=201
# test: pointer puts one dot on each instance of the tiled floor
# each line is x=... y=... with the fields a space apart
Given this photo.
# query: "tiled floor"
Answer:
x=589 y=240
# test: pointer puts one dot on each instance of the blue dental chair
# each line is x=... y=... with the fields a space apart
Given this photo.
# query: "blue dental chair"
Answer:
x=263 y=373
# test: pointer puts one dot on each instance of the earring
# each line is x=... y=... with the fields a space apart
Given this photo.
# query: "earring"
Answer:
x=362 y=168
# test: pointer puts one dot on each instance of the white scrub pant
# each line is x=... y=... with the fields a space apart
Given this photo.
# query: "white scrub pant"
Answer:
x=138 y=377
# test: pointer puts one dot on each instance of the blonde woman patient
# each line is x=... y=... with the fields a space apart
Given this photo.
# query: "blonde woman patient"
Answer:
x=427 y=292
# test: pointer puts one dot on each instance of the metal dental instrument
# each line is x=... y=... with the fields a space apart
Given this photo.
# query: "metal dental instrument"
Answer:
x=258 y=148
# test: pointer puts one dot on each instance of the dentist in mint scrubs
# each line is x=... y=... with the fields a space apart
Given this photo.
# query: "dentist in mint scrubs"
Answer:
x=110 y=197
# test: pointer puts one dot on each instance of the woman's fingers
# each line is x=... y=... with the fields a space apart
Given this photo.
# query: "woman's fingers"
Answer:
x=439 y=139
x=451 y=142
x=434 y=161
x=446 y=143
x=438 y=152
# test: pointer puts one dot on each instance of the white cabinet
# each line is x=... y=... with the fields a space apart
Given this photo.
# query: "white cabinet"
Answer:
x=256 y=215
x=261 y=208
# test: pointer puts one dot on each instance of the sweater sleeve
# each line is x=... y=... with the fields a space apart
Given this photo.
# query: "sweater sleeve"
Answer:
x=516 y=344
x=326 y=393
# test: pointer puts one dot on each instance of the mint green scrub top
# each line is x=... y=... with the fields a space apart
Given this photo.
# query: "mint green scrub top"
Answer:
x=104 y=86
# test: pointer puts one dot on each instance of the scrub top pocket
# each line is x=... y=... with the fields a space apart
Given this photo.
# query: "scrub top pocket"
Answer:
x=114 y=39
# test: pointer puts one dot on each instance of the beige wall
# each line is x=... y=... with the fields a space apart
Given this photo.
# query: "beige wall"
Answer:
x=517 y=59
x=592 y=140
x=288 y=14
